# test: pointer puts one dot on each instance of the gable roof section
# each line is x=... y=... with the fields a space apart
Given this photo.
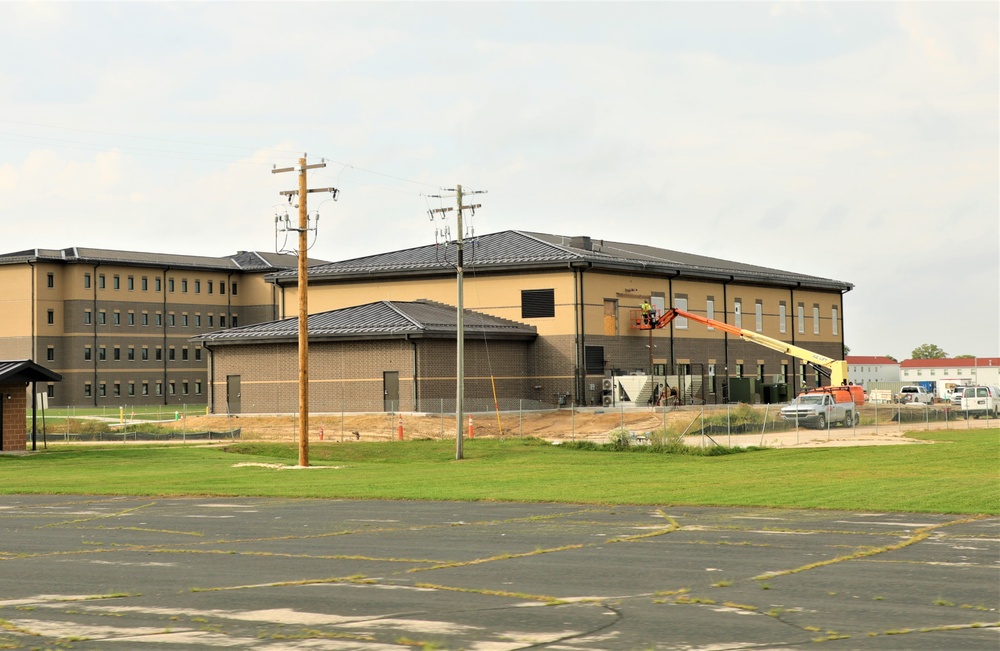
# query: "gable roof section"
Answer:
x=25 y=370
x=382 y=319
x=871 y=360
x=964 y=362
x=240 y=261
x=523 y=250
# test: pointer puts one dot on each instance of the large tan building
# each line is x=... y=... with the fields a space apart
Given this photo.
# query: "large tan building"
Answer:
x=116 y=324
x=581 y=296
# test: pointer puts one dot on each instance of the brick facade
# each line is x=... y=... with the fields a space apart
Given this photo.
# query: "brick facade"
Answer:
x=13 y=430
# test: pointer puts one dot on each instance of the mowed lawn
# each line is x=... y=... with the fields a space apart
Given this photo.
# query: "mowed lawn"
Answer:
x=959 y=473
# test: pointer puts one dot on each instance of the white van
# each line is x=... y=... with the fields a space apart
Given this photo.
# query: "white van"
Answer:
x=980 y=401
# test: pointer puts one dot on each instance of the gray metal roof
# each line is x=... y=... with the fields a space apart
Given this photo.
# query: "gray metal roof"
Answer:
x=25 y=370
x=240 y=261
x=382 y=319
x=523 y=250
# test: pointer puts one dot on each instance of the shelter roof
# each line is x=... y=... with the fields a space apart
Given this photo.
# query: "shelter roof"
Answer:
x=524 y=250
x=381 y=319
x=25 y=370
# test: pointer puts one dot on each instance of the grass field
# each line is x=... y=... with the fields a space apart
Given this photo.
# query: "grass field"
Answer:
x=959 y=474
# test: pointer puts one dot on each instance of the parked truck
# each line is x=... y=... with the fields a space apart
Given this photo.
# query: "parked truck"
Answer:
x=915 y=395
x=820 y=409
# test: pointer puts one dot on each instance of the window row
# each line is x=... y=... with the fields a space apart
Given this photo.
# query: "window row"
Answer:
x=185 y=320
x=681 y=302
x=143 y=388
x=144 y=284
x=116 y=353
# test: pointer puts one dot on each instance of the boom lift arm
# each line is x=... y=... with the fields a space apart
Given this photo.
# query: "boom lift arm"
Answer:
x=836 y=368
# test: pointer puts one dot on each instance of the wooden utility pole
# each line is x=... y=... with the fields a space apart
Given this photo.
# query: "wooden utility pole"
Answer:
x=459 y=324
x=303 y=278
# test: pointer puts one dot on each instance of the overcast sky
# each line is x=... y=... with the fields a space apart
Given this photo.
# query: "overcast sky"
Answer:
x=854 y=141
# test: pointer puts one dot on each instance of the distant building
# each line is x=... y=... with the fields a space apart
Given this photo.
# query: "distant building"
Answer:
x=116 y=324
x=946 y=374
x=865 y=369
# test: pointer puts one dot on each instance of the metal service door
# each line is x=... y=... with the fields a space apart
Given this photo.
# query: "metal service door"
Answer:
x=390 y=387
x=233 y=394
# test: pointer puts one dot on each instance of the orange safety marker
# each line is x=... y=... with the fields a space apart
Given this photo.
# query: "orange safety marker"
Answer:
x=320 y=433
x=472 y=433
x=400 y=427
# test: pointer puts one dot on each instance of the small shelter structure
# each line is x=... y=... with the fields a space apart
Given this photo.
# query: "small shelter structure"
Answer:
x=15 y=376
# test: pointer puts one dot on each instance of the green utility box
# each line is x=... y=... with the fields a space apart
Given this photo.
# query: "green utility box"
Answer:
x=745 y=389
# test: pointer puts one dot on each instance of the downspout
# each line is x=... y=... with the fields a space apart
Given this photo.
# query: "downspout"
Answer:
x=416 y=395
x=166 y=384
x=725 y=338
x=93 y=319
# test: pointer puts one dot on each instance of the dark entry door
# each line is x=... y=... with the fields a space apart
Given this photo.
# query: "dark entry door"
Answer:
x=233 y=394
x=390 y=387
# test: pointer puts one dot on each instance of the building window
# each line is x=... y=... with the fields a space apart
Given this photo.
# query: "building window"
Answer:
x=102 y=390
x=116 y=283
x=145 y=388
x=209 y=286
x=159 y=388
x=815 y=319
x=681 y=303
x=144 y=283
x=197 y=287
x=184 y=320
x=87 y=390
x=184 y=354
x=222 y=320
x=117 y=318
x=131 y=354
x=145 y=354
x=173 y=388
x=222 y=287
x=50 y=280
x=131 y=318
x=211 y=320
x=102 y=317
x=50 y=354
x=233 y=292
x=233 y=321
x=101 y=284
x=159 y=319
x=834 y=316
x=131 y=388
x=738 y=314
x=102 y=354
x=171 y=354
x=131 y=285
x=535 y=304
x=50 y=317
x=86 y=281
x=145 y=319
x=159 y=354
x=87 y=353
x=117 y=354
x=170 y=285
x=782 y=316
x=710 y=310
x=197 y=354
x=184 y=387
x=197 y=320
x=801 y=313
x=594 y=359
x=197 y=388
x=759 y=316
x=171 y=319
x=157 y=284
x=184 y=285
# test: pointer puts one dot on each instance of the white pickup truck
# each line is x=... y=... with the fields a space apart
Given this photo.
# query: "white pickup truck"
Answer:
x=818 y=410
x=915 y=395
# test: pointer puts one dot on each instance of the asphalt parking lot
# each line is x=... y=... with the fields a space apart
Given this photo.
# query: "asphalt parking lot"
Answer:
x=272 y=574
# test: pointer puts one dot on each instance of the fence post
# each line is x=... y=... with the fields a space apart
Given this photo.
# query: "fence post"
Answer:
x=572 y=419
x=520 y=418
